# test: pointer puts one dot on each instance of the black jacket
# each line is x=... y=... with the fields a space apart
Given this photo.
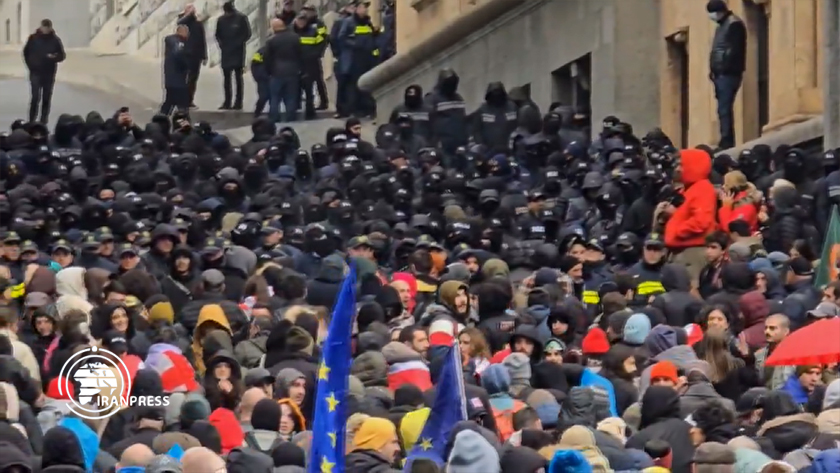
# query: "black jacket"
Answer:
x=449 y=113
x=232 y=33
x=189 y=316
x=419 y=111
x=367 y=461
x=729 y=47
x=12 y=372
x=661 y=421
x=37 y=53
x=197 y=41
x=284 y=54
x=786 y=222
x=495 y=119
x=175 y=62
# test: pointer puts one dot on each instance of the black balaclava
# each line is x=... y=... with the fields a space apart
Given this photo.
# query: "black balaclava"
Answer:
x=64 y=130
x=274 y=157
x=186 y=166
x=254 y=176
x=551 y=123
x=405 y=125
x=496 y=95
x=831 y=161
x=794 y=166
x=627 y=250
x=413 y=97
x=303 y=165
x=448 y=82
x=320 y=156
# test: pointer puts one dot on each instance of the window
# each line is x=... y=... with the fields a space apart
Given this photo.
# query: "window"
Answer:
x=678 y=82
x=572 y=84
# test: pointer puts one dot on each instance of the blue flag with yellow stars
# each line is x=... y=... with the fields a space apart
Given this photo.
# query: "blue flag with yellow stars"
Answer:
x=447 y=410
x=327 y=455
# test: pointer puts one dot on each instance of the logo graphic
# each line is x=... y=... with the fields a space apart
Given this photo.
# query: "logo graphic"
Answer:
x=100 y=375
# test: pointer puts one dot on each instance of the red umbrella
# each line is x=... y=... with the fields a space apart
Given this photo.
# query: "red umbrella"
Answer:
x=816 y=344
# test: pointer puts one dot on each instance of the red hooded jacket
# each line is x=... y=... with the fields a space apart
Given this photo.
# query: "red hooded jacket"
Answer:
x=695 y=218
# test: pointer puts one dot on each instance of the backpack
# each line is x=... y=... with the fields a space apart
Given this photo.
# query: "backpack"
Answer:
x=252 y=443
x=504 y=419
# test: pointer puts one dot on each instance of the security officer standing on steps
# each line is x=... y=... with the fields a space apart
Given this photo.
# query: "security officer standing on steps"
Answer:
x=311 y=47
x=176 y=70
x=359 y=54
x=42 y=53
x=233 y=30
x=388 y=32
x=335 y=46
x=323 y=40
x=196 y=47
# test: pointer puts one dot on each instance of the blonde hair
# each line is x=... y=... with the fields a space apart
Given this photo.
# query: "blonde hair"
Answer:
x=478 y=342
x=716 y=354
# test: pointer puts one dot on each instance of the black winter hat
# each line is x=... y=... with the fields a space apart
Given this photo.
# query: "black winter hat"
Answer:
x=522 y=460
x=266 y=415
x=716 y=6
x=207 y=434
x=61 y=447
x=567 y=262
x=288 y=454
x=408 y=395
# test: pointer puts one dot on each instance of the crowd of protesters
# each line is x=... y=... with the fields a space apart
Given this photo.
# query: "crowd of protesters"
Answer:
x=614 y=300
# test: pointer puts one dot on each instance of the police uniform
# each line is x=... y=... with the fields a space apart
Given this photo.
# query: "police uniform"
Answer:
x=312 y=45
x=649 y=277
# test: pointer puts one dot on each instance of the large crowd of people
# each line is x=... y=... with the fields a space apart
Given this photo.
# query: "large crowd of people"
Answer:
x=616 y=302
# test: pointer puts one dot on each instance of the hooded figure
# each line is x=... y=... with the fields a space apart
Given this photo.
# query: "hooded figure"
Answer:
x=695 y=218
x=615 y=367
x=661 y=421
x=449 y=113
x=62 y=452
x=415 y=107
x=495 y=119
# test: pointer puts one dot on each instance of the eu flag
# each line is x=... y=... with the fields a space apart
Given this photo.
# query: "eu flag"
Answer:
x=447 y=410
x=327 y=455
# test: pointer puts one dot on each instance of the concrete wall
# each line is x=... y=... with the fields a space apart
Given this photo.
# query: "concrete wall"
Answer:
x=419 y=19
x=13 y=21
x=527 y=44
x=20 y=18
x=71 y=19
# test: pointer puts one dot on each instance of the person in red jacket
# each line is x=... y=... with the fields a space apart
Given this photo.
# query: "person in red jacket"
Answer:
x=740 y=200
x=688 y=224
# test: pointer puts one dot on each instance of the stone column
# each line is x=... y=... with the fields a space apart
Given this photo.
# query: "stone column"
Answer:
x=831 y=71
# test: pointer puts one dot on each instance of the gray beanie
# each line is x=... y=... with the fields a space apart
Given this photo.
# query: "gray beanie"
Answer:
x=832 y=394
x=472 y=453
x=519 y=367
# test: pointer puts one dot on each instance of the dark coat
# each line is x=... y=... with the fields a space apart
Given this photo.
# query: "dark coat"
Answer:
x=661 y=421
x=357 y=43
x=175 y=62
x=189 y=316
x=37 y=51
x=284 y=54
x=367 y=461
x=232 y=33
x=324 y=289
x=803 y=298
x=197 y=42
x=786 y=221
